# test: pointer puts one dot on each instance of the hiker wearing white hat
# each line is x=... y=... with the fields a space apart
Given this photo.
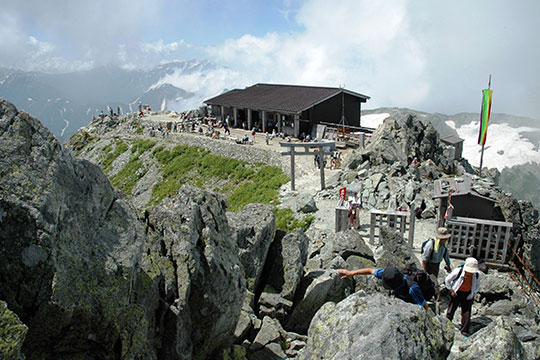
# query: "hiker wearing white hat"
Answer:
x=463 y=284
x=434 y=251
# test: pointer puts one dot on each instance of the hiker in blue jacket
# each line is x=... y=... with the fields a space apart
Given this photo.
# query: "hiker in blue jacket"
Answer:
x=434 y=251
x=392 y=279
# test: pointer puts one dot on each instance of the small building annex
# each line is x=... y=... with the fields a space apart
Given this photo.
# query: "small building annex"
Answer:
x=290 y=109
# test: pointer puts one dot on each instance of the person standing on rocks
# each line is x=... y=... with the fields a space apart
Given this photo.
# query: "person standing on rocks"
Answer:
x=392 y=279
x=434 y=251
x=463 y=283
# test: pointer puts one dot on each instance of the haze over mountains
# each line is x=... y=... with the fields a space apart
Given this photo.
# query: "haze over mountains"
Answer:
x=65 y=102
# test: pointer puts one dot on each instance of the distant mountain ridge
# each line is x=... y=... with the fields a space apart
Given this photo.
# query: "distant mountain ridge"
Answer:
x=66 y=102
x=439 y=121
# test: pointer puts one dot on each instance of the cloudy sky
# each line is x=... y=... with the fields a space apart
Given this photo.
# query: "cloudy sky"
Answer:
x=426 y=55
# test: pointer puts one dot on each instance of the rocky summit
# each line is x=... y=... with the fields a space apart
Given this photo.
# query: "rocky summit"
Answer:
x=107 y=253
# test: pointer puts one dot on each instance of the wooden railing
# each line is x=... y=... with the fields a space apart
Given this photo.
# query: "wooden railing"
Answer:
x=486 y=240
x=397 y=220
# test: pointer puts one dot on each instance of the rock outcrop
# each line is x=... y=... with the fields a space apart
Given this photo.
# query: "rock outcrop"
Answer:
x=71 y=247
x=377 y=327
x=192 y=257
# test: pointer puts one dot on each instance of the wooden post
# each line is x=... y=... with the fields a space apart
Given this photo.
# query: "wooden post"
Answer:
x=263 y=115
x=292 y=167
x=412 y=219
x=372 y=228
x=235 y=115
x=296 y=125
x=249 y=115
x=321 y=153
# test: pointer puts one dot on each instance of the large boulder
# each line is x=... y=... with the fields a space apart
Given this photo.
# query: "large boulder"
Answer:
x=317 y=288
x=288 y=257
x=194 y=259
x=393 y=250
x=496 y=341
x=71 y=246
x=344 y=244
x=253 y=231
x=377 y=327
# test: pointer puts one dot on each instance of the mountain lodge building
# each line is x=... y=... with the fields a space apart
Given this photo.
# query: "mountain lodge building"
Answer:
x=290 y=109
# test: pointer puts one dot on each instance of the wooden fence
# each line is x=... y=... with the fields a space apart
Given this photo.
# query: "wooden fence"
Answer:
x=397 y=220
x=486 y=240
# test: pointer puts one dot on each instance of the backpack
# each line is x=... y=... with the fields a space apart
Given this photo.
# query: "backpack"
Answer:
x=421 y=278
x=424 y=245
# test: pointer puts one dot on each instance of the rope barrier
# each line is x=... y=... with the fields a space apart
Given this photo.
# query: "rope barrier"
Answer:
x=514 y=277
x=526 y=267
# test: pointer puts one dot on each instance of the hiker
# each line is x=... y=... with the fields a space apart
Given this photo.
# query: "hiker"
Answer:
x=463 y=284
x=395 y=280
x=226 y=127
x=354 y=204
x=434 y=251
x=267 y=137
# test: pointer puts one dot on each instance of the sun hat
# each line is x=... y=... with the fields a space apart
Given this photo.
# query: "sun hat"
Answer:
x=443 y=233
x=392 y=278
x=471 y=265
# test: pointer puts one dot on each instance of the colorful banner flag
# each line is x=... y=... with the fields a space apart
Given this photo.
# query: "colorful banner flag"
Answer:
x=484 y=116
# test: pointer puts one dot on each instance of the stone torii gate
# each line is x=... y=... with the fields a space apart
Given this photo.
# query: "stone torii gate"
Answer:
x=307 y=146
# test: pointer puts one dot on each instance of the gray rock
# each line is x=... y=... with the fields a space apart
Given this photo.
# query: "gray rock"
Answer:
x=199 y=273
x=306 y=204
x=496 y=341
x=345 y=244
x=377 y=327
x=270 y=332
x=289 y=255
x=393 y=250
x=253 y=230
x=272 y=304
x=71 y=245
x=320 y=287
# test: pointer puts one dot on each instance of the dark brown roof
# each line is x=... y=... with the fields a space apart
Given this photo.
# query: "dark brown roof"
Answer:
x=458 y=185
x=451 y=139
x=280 y=98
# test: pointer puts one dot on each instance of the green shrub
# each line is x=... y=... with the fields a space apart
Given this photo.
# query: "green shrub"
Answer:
x=286 y=221
x=240 y=182
x=134 y=170
x=109 y=156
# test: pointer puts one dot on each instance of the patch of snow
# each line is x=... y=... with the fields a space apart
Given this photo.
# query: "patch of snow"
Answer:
x=373 y=120
x=65 y=120
x=516 y=150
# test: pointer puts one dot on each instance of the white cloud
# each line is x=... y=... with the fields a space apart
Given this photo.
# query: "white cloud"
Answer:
x=365 y=45
x=423 y=54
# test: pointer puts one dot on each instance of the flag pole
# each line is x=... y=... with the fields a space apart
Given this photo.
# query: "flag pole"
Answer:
x=482 y=153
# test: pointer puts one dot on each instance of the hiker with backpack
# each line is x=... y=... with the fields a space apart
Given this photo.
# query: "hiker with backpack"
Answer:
x=434 y=251
x=463 y=283
x=403 y=286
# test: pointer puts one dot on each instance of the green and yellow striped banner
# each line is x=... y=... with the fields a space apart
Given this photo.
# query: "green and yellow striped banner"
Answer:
x=484 y=116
